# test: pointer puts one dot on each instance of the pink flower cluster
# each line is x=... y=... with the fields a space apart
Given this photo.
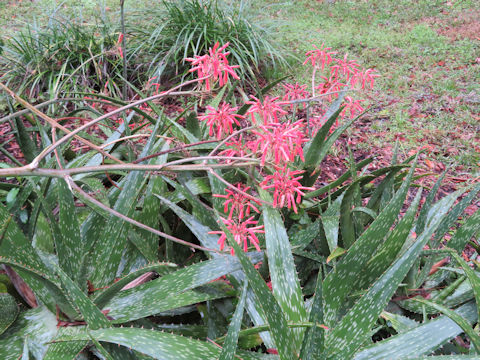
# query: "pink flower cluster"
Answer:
x=287 y=188
x=214 y=65
x=238 y=205
x=276 y=141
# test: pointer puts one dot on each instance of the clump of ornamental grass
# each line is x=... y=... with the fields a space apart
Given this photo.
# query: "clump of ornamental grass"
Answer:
x=183 y=29
x=62 y=57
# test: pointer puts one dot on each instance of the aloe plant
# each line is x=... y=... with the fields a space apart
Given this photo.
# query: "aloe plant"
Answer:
x=337 y=273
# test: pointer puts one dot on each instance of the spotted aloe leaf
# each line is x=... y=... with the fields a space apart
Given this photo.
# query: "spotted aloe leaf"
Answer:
x=155 y=296
x=17 y=251
x=473 y=278
x=230 y=344
x=146 y=242
x=9 y=310
x=459 y=320
x=447 y=357
x=447 y=223
x=201 y=231
x=453 y=215
x=465 y=232
x=339 y=282
x=389 y=250
x=103 y=296
x=313 y=345
x=65 y=350
x=38 y=325
x=422 y=216
x=68 y=242
x=285 y=283
x=156 y=344
x=274 y=316
x=108 y=254
x=331 y=220
x=353 y=329
x=398 y=322
x=91 y=314
x=315 y=146
x=341 y=179
x=421 y=340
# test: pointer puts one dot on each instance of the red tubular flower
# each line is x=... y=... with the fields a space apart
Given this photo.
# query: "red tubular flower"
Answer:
x=119 y=45
x=221 y=120
x=353 y=106
x=346 y=67
x=241 y=233
x=330 y=85
x=214 y=64
x=280 y=142
x=236 y=147
x=238 y=203
x=268 y=110
x=287 y=188
x=364 y=77
x=295 y=92
x=319 y=56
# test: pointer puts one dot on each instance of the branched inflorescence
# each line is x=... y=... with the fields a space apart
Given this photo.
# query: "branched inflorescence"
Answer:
x=271 y=137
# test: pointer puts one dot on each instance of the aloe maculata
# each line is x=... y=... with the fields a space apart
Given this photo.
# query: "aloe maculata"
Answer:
x=340 y=273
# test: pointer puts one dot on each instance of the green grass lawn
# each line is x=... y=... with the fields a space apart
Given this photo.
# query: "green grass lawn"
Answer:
x=427 y=51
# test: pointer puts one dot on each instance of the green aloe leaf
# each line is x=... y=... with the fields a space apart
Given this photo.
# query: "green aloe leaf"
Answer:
x=92 y=314
x=273 y=313
x=419 y=341
x=340 y=281
x=123 y=312
x=211 y=241
x=146 y=299
x=400 y=323
x=147 y=243
x=198 y=229
x=108 y=253
x=453 y=215
x=65 y=350
x=69 y=242
x=25 y=142
x=465 y=232
x=313 y=342
x=38 y=325
x=389 y=250
x=158 y=345
x=354 y=328
x=448 y=357
x=473 y=278
x=17 y=251
x=347 y=175
x=9 y=310
x=285 y=283
x=101 y=349
x=316 y=145
x=347 y=226
x=459 y=320
x=422 y=216
x=230 y=344
x=301 y=238
x=331 y=223
x=103 y=296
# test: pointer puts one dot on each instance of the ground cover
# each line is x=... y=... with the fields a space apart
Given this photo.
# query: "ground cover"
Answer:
x=253 y=224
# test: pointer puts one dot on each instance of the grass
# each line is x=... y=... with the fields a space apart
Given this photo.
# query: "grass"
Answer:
x=421 y=66
x=430 y=81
